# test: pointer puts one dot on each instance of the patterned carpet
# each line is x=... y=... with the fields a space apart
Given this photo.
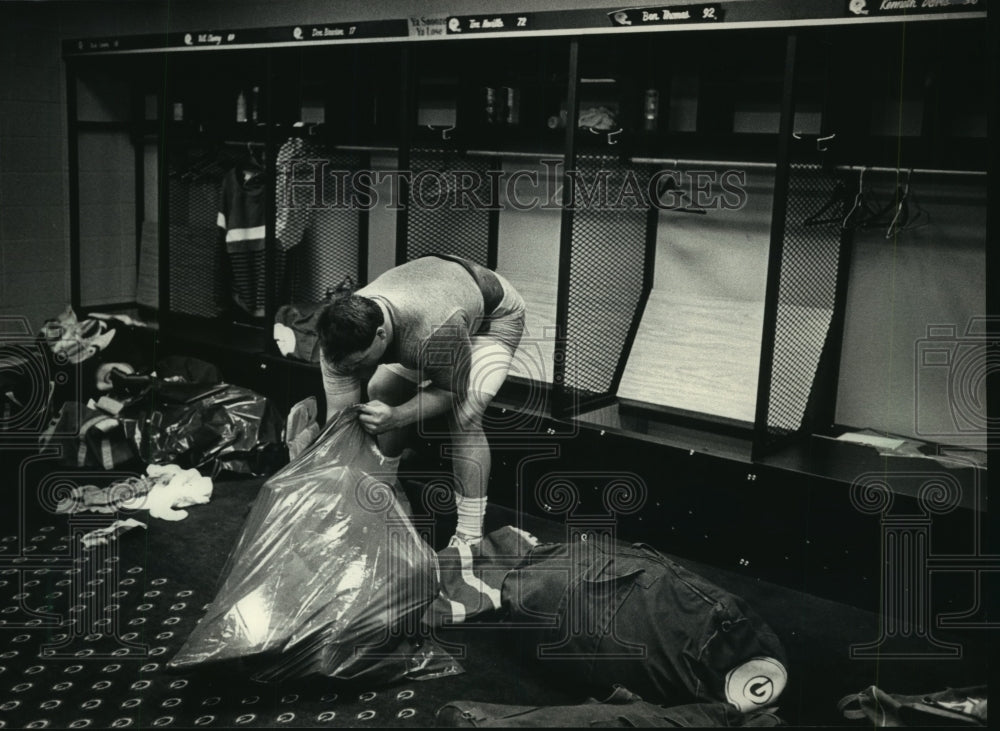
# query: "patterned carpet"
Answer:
x=87 y=635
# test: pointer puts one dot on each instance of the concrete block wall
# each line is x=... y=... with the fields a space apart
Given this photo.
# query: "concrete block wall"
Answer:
x=34 y=188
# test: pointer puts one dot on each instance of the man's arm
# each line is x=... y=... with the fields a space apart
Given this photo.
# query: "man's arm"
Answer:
x=341 y=391
x=378 y=417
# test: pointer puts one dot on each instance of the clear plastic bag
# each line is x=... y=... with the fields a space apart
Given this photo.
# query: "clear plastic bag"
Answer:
x=329 y=575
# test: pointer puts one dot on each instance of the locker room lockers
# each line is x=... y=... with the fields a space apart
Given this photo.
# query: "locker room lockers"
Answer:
x=744 y=353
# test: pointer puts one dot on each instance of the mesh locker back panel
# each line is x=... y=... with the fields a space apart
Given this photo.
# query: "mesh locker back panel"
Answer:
x=107 y=217
x=317 y=228
x=440 y=218
x=196 y=259
x=806 y=297
x=607 y=268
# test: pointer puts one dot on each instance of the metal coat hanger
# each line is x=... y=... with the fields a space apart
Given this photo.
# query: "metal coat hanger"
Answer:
x=445 y=131
x=863 y=213
x=906 y=217
x=820 y=141
x=666 y=184
x=859 y=202
x=832 y=210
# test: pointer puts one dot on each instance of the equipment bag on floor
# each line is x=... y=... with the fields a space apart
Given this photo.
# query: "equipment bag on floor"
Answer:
x=90 y=437
x=295 y=331
x=27 y=383
x=623 y=709
x=328 y=576
x=188 y=369
x=79 y=351
x=951 y=707
x=295 y=324
x=607 y=613
x=471 y=576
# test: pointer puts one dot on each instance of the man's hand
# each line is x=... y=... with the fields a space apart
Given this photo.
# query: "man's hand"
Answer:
x=377 y=417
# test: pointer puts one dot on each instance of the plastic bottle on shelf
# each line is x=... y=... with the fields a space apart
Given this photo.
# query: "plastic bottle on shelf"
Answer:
x=490 y=115
x=512 y=105
x=255 y=104
x=241 y=107
x=650 y=110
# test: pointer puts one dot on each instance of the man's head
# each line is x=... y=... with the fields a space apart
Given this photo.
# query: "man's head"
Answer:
x=352 y=334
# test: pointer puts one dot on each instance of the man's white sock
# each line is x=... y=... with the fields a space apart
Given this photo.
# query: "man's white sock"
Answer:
x=391 y=464
x=471 y=511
